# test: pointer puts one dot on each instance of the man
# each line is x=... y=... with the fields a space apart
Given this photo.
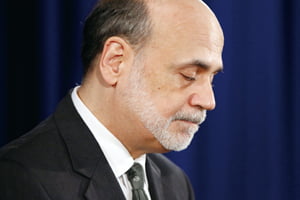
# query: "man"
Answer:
x=149 y=66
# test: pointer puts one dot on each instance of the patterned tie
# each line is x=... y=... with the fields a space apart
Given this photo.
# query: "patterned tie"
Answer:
x=136 y=177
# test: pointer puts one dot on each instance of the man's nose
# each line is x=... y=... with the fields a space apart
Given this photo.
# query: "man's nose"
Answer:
x=203 y=97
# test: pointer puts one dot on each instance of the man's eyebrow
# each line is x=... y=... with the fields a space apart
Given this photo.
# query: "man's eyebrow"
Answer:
x=203 y=65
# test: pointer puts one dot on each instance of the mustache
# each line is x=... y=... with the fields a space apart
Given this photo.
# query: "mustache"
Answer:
x=196 y=117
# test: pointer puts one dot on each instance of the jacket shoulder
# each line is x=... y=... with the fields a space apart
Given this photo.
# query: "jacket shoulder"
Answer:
x=33 y=147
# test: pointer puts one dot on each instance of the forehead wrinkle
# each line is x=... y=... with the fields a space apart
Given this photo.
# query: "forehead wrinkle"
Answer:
x=214 y=67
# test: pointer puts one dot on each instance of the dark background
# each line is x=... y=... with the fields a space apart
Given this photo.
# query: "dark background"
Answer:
x=249 y=146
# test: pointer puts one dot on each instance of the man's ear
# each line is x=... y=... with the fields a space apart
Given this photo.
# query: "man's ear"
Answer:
x=114 y=58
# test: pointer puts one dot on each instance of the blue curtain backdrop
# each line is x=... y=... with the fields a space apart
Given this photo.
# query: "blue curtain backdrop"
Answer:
x=249 y=147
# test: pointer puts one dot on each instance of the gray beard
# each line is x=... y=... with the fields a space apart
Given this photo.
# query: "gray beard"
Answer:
x=139 y=100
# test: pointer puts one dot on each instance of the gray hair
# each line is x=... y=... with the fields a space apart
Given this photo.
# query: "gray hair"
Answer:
x=128 y=19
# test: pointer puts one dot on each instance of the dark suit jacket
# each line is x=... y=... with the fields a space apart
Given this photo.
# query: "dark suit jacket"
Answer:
x=61 y=160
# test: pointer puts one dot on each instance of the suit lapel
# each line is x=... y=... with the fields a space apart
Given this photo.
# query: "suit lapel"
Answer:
x=103 y=185
x=154 y=179
x=86 y=156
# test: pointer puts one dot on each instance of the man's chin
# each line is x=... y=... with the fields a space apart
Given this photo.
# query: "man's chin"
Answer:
x=177 y=143
x=184 y=127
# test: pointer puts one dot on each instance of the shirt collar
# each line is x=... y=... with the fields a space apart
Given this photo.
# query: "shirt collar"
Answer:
x=115 y=152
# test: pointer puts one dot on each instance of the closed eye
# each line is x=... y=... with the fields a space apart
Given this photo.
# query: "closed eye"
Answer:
x=188 y=78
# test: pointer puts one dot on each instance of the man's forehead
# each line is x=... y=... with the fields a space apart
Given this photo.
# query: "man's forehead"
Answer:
x=214 y=65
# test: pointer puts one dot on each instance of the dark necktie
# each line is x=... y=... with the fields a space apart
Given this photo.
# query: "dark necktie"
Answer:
x=136 y=177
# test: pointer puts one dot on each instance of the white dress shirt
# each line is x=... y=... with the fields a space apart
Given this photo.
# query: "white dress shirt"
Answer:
x=116 y=154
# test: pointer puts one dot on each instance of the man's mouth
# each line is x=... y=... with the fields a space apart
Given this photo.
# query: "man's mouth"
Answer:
x=194 y=122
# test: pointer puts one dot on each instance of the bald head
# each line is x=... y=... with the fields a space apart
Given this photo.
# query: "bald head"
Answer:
x=135 y=20
x=181 y=17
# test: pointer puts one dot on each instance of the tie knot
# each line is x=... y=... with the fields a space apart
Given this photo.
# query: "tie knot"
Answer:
x=136 y=176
